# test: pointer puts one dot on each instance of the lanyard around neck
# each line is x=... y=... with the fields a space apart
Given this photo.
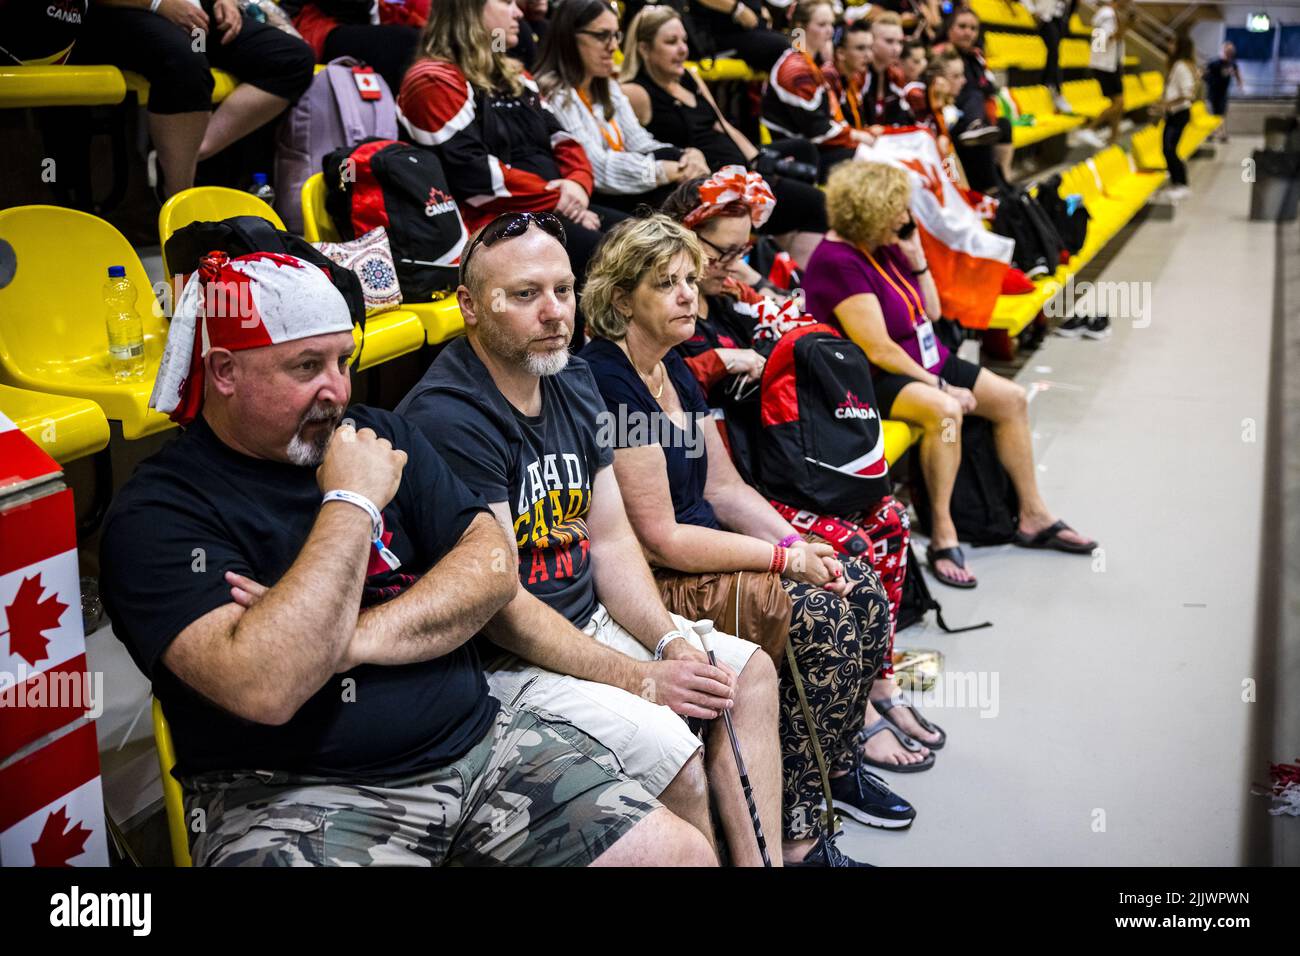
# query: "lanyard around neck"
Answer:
x=615 y=142
x=836 y=113
x=908 y=294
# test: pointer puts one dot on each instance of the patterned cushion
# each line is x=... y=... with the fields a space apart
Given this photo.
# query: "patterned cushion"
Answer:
x=372 y=260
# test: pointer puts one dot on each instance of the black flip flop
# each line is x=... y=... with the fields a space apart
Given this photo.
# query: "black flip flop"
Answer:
x=953 y=554
x=883 y=707
x=1050 y=537
x=909 y=742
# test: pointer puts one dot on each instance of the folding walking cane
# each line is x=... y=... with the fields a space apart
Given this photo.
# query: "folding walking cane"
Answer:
x=735 y=752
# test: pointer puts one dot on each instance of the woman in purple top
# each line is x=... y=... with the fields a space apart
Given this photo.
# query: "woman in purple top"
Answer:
x=870 y=279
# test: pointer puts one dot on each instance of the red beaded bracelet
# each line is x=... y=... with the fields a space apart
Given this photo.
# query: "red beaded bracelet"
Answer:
x=778 y=560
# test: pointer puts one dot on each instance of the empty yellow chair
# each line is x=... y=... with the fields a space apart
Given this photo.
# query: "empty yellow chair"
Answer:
x=440 y=318
x=49 y=84
x=1003 y=13
x=52 y=333
x=1085 y=97
x=64 y=428
x=173 y=798
x=1075 y=54
x=387 y=335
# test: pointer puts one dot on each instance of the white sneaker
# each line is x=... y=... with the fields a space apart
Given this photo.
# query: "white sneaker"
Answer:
x=1062 y=104
x=1178 y=193
x=1090 y=138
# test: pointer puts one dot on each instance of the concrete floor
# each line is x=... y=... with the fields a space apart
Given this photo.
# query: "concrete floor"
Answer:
x=1114 y=728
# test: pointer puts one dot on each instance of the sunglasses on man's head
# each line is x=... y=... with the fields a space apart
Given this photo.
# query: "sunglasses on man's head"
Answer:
x=512 y=225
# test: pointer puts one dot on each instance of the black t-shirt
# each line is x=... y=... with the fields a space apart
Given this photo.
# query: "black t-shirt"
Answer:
x=542 y=466
x=672 y=121
x=640 y=421
x=198 y=509
x=1218 y=77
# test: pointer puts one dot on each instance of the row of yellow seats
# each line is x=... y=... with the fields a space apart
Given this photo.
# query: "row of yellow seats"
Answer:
x=1027 y=51
x=1113 y=189
x=63 y=85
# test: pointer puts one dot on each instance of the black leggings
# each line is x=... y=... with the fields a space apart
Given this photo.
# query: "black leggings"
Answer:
x=180 y=78
x=1175 y=123
x=388 y=47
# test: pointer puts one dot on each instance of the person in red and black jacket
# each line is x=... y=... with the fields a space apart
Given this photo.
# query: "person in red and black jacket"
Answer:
x=883 y=102
x=985 y=154
x=800 y=102
x=501 y=149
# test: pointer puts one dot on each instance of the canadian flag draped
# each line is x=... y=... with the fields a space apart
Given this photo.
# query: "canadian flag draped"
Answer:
x=967 y=260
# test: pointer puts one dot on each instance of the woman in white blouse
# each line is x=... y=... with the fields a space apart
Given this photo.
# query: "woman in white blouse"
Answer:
x=575 y=74
x=1180 y=90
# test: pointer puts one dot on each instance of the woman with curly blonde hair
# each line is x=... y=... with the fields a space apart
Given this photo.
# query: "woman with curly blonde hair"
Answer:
x=870 y=279
x=695 y=516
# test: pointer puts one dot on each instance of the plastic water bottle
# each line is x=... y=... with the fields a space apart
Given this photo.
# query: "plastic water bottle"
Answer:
x=125 y=329
x=262 y=189
x=253 y=8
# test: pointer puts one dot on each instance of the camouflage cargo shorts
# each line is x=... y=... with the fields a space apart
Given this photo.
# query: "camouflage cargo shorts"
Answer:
x=536 y=791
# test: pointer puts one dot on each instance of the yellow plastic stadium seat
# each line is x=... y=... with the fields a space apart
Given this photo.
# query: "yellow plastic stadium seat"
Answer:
x=223 y=85
x=1153 y=83
x=52 y=335
x=1148 y=150
x=1007 y=50
x=60 y=85
x=1136 y=94
x=718 y=71
x=1120 y=180
x=899 y=437
x=1037 y=100
x=64 y=428
x=1013 y=313
x=208 y=204
x=440 y=319
x=173 y=799
x=387 y=335
x=1075 y=54
x=1003 y=13
x=1078 y=28
x=1085 y=97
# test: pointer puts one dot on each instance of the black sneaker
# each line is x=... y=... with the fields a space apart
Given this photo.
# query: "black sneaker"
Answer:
x=866 y=798
x=1072 y=327
x=1098 y=327
x=826 y=853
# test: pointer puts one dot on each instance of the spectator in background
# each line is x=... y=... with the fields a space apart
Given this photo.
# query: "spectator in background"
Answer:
x=159 y=41
x=1176 y=104
x=1109 y=23
x=933 y=106
x=501 y=149
x=913 y=62
x=799 y=102
x=575 y=74
x=1218 y=77
x=981 y=136
x=676 y=106
x=883 y=102
x=1052 y=17
x=848 y=71
x=337 y=28
x=738 y=29
x=532 y=30
x=873 y=283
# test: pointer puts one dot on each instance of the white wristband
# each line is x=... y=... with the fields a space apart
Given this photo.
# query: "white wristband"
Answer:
x=365 y=504
x=664 y=642
x=154 y=5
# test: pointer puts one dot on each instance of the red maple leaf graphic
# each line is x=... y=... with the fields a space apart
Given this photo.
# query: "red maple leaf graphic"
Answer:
x=928 y=175
x=29 y=617
x=58 y=843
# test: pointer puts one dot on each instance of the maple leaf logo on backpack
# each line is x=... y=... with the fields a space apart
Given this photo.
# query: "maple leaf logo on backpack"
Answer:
x=853 y=407
x=29 y=616
x=438 y=202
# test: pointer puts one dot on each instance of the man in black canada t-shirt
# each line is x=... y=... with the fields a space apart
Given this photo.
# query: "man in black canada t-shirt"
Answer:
x=300 y=581
x=590 y=641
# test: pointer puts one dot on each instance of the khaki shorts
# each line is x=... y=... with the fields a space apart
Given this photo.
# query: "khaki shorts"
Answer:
x=649 y=741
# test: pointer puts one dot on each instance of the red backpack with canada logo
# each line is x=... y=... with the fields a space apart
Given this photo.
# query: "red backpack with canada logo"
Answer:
x=823 y=447
x=402 y=188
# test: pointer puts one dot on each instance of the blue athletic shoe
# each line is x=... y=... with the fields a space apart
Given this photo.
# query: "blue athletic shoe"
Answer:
x=826 y=853
x=866 y=798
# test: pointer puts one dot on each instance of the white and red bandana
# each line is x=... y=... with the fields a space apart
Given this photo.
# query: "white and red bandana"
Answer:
x=263 y=298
